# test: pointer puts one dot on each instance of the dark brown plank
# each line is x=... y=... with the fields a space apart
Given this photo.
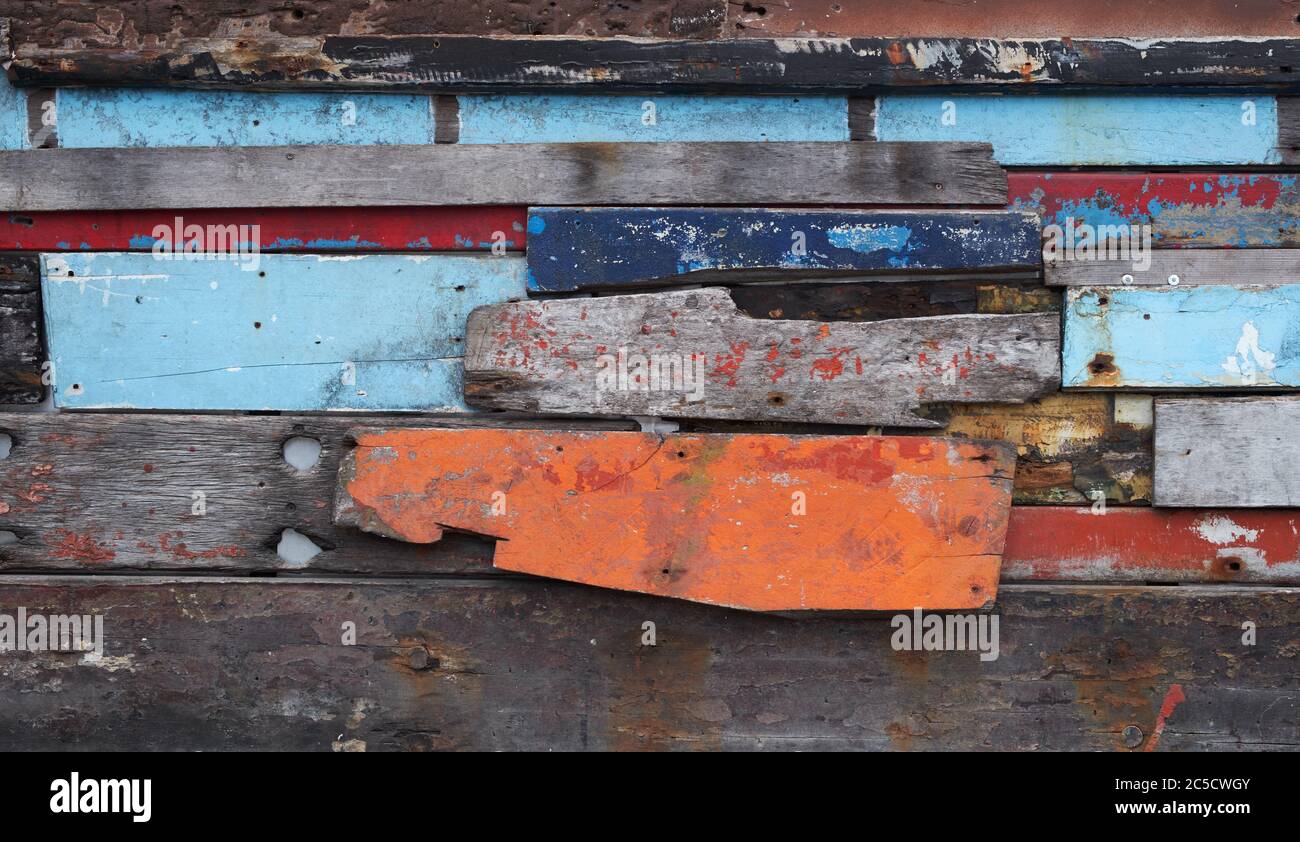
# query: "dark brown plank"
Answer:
x=220 y=664
x=510 y=174
x=117 y=492
x=21 y=349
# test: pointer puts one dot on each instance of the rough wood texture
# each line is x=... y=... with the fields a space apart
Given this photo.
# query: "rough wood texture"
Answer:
x=21 y=350
x=1181 y=267
x=512 y=665
x=572 y=249
x=692 y=354
x=1208 y=209
x=859 y=302
x=1227 y=452
x=1193 y=337
x=1071 y=448
x=278 y=229
x=514 y=174
x=759 y=522
x=481 y=64
x=1106 y=129
x=118 y=492
x=304 y=333
x=1152 y=545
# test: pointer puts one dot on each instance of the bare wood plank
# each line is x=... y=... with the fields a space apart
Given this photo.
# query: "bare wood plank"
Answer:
x=474 y=63
x=1227 y=452
x=759 y=522
x=115 y=492
x=512 y=665
x=1178 y=267
x=21 y=350
x=512 y=174
x=710 y=361
x=1139 y=544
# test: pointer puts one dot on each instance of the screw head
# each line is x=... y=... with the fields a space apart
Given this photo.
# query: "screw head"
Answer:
x=1126 y=280
x=1174 y=280
x=418 y=658
x=1132 y=736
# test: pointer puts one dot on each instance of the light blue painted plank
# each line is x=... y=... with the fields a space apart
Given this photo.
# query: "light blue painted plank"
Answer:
x=127 y=330
x=13 y=116
x=562 y=118
x=1183 y=337
x=1104 y=129
x=98 y=117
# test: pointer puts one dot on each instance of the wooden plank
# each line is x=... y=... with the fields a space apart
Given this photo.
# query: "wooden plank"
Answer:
x=593 y=356
x=21 y=350
x=1007 y=19
x=587 y=118
x=469 y=64
x=1110 y=129
x=1139 y=544
x=858 y=302
x=313 y=230
x=97 y=493
x=1176 y=267
x=759 y=522
x=1071 y=448
x=1226 y=452
x=511 y=665
x=260 y=332
x=1182 y=209
x=1202 y=337
x=91 y=118
x=512 y=174
x=578 y=248
x=13 y=115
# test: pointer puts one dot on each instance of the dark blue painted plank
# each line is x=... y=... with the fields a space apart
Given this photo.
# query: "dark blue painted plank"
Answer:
x=578 y=248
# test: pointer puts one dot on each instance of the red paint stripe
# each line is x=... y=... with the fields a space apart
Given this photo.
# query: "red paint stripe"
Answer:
x=281 y=229
x=1172 y=700
x=1160 y=545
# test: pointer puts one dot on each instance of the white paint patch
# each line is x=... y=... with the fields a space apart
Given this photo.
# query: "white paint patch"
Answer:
x=112 y=663
x=1221 y=530
x=296 y=549
x=1135 y=410
x=1250 y=361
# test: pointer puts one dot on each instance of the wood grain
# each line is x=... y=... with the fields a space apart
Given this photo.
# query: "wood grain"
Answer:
x=21 y=350
x=512 y=174
x=573 y=249
x=758 y=522
x=1194 y=337
x=1226 y=452
x=200 y=493
x=466 y=63
x=585 y=356
x=1178 y=267
x=511 y=665
x=266 y=333
x=1140 y=544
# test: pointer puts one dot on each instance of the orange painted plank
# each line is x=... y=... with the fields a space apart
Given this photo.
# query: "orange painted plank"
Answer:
x=761 y=522
x=1139 y=544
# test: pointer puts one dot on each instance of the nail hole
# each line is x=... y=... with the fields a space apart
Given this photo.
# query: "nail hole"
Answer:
x=257 y=325
x=296 y=549
x=302 y=453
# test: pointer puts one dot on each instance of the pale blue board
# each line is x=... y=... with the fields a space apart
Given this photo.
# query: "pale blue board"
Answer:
x=13 y=116
x=1103 y=129
x=130 y=331
x=575 y=118
x=1211 y=337
x=99 y=117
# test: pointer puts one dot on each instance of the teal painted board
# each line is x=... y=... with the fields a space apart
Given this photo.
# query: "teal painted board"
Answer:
x=92 y=118
x=1185 y=337
x=1100 y=130
x=13 y=116
x=561 y=118
x=294 y=332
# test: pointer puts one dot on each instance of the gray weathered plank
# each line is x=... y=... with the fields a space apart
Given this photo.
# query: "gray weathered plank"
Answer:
x=510 y=174
x=709 y=360
x=1227 y=452
x=117 y=492
x=21 y=349
x=245 y=664
x=1181 y=267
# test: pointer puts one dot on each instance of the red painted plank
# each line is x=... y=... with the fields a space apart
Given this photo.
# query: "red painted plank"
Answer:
x=761 y=522
x=1152 y=545
x=320 y=229
x=1226 y=210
